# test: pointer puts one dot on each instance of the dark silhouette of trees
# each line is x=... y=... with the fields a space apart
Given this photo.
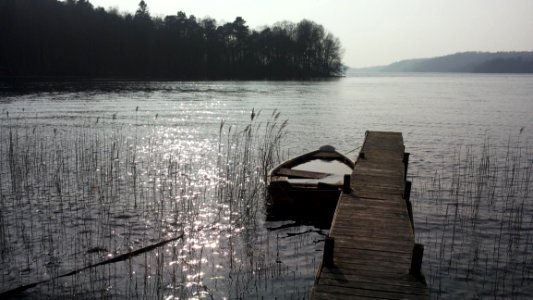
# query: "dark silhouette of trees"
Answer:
x=506 y=65
x=73 y=38
x=142 y=12
x=466 y=62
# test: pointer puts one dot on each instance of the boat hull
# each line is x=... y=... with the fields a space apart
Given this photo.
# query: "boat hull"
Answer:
x=307 y=188
x=314 y=206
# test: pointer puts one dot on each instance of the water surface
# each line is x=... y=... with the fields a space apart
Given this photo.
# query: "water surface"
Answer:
x=170 y=134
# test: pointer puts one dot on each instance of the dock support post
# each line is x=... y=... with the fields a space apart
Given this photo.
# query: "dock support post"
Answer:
x=329 y=244
x=405 y=164
x=407 y=191
x=416 y=261
x=346 y=185
x=407 y=196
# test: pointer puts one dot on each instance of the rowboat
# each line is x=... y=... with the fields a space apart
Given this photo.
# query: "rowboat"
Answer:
x=307 y=184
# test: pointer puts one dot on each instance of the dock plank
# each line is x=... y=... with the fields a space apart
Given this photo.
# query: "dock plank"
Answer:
x=372 y=230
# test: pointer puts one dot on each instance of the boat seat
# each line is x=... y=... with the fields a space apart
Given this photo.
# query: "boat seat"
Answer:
x=291 y=173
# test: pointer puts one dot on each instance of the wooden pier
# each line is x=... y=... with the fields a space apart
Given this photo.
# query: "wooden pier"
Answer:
x=371 y=252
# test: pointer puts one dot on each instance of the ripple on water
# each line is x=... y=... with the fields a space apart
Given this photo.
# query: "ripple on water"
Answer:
x=136 y=163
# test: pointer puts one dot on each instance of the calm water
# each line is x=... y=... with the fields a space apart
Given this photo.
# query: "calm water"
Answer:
x=160 y=175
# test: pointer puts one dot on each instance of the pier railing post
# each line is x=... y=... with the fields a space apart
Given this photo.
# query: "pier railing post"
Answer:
x=346 y=185
x=407 y=196
x=329 y=245
x=405 y=163
x=407 y=191
x=416 y=261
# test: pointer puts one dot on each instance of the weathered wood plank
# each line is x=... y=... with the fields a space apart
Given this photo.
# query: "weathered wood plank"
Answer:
x=372 y=229
x=388 y=201
x=337 y=291
x=372 y=233
x=359 y=211
x=378 y=194
x=373 y=221
x=372 y=255
x=341 y=268
x=360 y=264
x=385 y=286
x=377 y=245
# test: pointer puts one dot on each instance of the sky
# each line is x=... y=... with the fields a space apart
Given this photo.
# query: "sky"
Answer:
x=376 y=32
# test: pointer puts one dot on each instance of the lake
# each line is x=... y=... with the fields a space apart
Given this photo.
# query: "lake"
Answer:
x=94 y=169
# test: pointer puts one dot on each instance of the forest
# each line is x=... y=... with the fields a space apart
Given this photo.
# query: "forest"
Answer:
x=73 y=38
x=464 y=62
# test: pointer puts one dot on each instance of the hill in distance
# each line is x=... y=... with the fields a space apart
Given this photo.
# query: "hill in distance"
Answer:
x=465 y=62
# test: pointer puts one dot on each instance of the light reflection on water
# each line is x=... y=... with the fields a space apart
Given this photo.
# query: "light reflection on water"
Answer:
x=137 y=177
x=115 y=188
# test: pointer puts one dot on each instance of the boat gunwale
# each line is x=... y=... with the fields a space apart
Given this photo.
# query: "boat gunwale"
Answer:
x=291 y=163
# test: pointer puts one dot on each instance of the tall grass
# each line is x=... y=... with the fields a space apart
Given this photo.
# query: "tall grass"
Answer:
x=476 y=220
x=75 y=197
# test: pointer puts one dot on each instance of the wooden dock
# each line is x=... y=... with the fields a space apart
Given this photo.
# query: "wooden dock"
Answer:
x=370 y=252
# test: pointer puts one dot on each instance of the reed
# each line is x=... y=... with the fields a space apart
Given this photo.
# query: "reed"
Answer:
x=73 y=197
x=475 y=220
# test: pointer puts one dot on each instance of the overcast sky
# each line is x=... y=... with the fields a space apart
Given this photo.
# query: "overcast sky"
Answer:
x=377 y=32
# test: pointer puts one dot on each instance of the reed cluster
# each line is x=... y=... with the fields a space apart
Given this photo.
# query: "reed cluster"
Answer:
x=184 y=216
x=475 y=220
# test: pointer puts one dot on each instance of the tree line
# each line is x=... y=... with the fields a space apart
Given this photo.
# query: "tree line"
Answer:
x=73 y=38
x=466 y=62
